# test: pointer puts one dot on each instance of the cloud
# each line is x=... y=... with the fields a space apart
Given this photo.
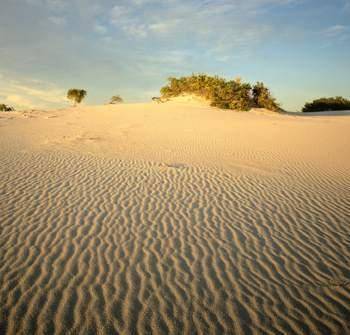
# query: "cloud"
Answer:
x=18 y=101
x=218 y=27
x=139 y=30
x=118 y=13
x=100 y=29
x=51 y=95
x=163 y=27
x=57 y=20
x=208 y=24
x=337 y=32
x=23 y=93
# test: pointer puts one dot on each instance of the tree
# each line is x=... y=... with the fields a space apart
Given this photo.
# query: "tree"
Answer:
x=327 y=104
x=116 y=99
x=76 y=95
x=5 y=108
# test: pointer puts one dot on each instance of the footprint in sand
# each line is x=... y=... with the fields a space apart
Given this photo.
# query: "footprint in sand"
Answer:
x=172 y=166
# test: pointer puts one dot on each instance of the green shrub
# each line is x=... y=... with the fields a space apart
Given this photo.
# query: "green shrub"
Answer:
x=262 y=97
x=232 y=95
x=76 y=95
x=5 y=108
x=327 y=104
x=116 y=99
x=227 y=94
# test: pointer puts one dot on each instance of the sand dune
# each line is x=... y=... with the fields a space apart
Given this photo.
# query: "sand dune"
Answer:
x=174 y=219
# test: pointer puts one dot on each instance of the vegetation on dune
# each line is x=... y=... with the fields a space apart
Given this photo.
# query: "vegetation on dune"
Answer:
x=262 y=97
x=116 y=99
x=159 y=100
x=76 y=95
x=5 y=108
x=327 y=104
x=222 y=93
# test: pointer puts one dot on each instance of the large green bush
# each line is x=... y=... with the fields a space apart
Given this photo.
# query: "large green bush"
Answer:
x=327 y=104
x=222 y=93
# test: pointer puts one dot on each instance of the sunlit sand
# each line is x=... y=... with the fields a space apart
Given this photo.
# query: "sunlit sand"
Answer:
x=174 y=218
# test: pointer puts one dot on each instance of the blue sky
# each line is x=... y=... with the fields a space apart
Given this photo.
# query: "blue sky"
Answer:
x=299 y=48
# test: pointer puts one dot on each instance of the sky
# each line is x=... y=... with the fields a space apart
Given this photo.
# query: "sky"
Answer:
x=299 y=48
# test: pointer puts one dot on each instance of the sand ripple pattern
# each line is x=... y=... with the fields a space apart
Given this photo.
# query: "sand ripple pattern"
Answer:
x=106 y=246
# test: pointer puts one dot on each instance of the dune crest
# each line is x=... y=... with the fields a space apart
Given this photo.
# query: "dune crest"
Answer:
x=174 y=218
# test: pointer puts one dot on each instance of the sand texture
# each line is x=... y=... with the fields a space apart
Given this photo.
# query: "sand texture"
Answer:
x=174 y=218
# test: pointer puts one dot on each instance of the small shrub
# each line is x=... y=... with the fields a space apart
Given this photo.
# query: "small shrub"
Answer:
x=76 y=95
x=116 y=99
x=5 y=108
x=159 y=100
x=327 y=104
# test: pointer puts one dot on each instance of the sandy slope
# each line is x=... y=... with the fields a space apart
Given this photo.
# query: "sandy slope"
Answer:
x=174 y=218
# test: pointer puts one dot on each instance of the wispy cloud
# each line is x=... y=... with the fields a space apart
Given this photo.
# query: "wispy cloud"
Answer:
x=337 y=32
x=218 y=26
x=100 y=28
x=18 y=101
x=23 y=93
x=58 y=20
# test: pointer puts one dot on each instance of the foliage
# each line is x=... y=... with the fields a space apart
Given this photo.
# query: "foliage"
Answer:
x=116 y=99
x=76 y=95
x=263 y=98
x=5 y=108
x=227 y=94
x=158 y=100
x=327 y=104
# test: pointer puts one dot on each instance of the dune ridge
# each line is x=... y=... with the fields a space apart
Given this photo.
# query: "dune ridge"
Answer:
x=176 y=219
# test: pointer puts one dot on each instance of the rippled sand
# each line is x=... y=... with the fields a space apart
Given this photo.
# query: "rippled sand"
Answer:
x=174 y=219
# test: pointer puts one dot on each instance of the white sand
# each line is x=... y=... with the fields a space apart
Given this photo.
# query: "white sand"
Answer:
x=174 y=218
